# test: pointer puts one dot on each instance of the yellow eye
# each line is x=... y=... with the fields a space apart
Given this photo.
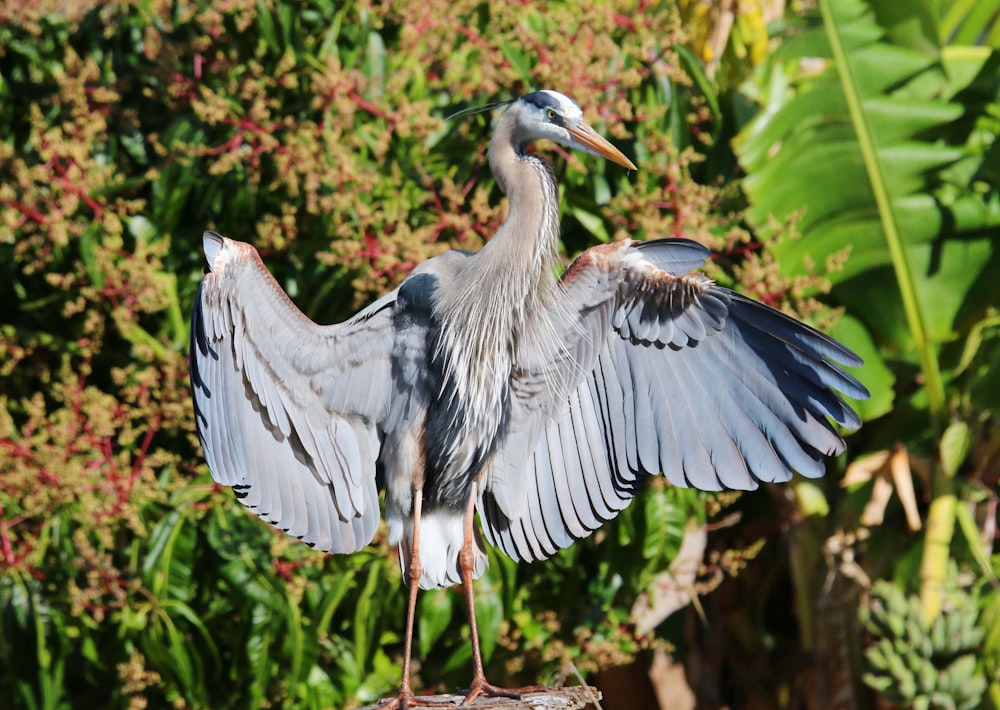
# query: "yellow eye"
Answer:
x=551 y=114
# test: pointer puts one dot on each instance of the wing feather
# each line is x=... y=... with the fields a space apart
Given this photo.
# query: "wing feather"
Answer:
x=610 y=402
x=281 y=411
x=718 y=451
x=561 y=490
x=547 y=505
x=621 y=371
x=669 y=374
x=497 y=533
x=591 y=511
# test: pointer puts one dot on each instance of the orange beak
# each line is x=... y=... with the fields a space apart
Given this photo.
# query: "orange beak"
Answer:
x=592 y=141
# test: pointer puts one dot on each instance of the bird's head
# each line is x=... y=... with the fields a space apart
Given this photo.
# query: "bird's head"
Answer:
x=549 y=114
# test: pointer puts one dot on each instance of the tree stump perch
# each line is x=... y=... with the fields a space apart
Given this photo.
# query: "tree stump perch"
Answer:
x=575 y=697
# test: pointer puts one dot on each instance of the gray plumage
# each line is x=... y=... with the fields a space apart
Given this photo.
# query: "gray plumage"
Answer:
x=483 y=376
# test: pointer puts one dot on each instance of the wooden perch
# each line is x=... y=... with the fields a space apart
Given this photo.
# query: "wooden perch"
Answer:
x=574 y=697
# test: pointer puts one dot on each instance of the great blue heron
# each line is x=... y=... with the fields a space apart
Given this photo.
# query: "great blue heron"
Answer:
x=483 y=383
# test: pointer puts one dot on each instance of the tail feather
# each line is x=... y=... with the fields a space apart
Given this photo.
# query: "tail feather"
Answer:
x=440 y=546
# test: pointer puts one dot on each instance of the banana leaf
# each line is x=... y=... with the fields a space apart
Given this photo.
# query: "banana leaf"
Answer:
x=876 y=140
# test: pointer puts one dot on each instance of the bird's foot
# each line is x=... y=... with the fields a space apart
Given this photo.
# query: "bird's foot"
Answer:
x=480 y=687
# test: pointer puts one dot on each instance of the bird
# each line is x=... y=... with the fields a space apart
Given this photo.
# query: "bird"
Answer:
x=488 y=386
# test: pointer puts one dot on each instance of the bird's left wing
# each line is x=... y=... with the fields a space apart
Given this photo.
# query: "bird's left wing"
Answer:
x=636 y=367
x=287 y=410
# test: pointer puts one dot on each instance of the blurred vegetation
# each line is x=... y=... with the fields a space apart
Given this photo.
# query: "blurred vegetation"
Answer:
x=841 y=159
x=920 y=664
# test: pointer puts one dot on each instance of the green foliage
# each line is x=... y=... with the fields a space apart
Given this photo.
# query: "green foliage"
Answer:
x=921 y=665
x=317 y=131
x=872 y=162
x=892 y=137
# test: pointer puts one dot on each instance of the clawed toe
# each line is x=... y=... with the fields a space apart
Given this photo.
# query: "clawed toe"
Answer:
x=480 y=687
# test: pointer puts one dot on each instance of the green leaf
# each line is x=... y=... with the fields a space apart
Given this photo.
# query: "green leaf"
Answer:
x=294 y=642
x=258 y=649
x=874 y=373
x=972 y=22
x=384 y=677
x=811 y=499
x=863 y=151
x=189 y=615
x=593 y=223
x=158 y=570
x=970 y=531
x=433 y=617
x=954 y=446
x=695 y=69
x=489 y=613
x=365 y=617
x=518 y=59
x=461 y=657
x=246 y=581
x=265 y=24
x=331 y=601
x=885 y=168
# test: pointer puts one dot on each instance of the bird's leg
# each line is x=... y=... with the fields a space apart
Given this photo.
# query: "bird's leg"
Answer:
x=467 y=561
x=414 y=573
x=405 y=698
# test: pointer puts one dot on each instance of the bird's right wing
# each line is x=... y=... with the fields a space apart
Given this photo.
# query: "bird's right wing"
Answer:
x=287 y=410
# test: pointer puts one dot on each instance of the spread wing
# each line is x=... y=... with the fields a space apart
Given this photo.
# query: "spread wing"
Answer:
x=637 y=367
x=286 y=409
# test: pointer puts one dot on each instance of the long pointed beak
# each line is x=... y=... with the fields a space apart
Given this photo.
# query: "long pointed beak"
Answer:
x=592 y=141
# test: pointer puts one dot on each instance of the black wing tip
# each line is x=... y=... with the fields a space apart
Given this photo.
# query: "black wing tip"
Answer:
x=821 y=343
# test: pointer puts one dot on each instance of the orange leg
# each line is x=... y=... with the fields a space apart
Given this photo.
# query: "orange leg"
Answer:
x=405 y=698
x=467 y=559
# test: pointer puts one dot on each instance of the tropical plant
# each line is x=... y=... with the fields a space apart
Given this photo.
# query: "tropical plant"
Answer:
x=917 y=664
x=877 y=143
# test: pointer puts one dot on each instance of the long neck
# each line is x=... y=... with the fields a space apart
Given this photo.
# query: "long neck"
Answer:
x=484 y=313
x=529 y=235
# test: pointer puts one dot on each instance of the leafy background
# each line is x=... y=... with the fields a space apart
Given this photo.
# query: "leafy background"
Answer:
x=839 y=157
